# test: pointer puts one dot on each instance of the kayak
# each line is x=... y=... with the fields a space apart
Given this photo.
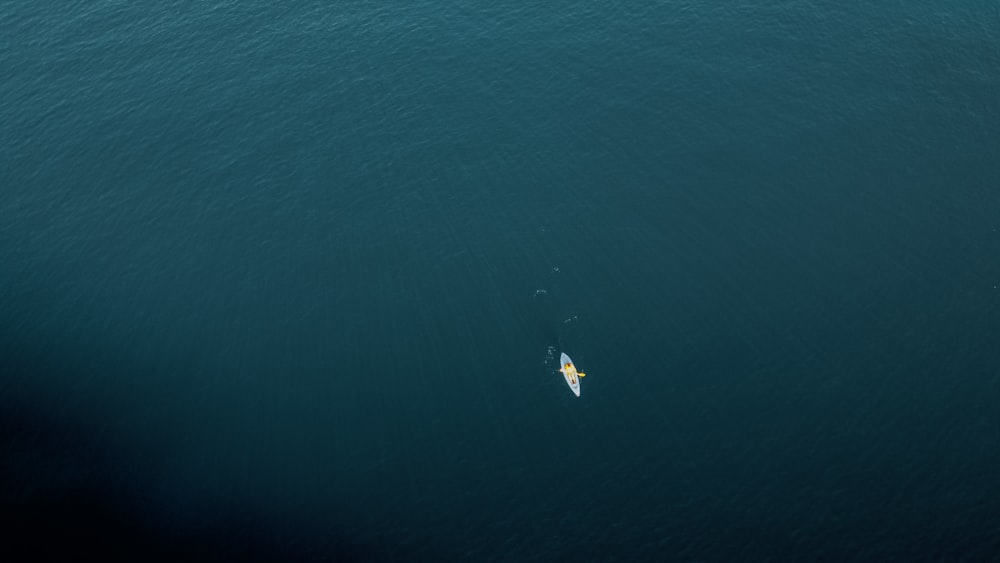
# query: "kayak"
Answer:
x=572 y=376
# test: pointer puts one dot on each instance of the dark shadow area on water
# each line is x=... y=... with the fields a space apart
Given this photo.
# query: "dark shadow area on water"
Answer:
x=59 y=502
x=65 y=495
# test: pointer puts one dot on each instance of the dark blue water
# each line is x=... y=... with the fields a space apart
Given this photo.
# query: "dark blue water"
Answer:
x=288 y=282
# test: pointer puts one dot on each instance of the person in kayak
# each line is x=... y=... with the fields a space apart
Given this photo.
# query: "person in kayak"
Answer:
x=568 y=368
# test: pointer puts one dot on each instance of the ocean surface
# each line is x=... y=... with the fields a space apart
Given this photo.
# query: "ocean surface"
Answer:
x=289 y=281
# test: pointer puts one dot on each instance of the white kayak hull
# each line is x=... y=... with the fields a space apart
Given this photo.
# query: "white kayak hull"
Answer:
x=572 y=379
